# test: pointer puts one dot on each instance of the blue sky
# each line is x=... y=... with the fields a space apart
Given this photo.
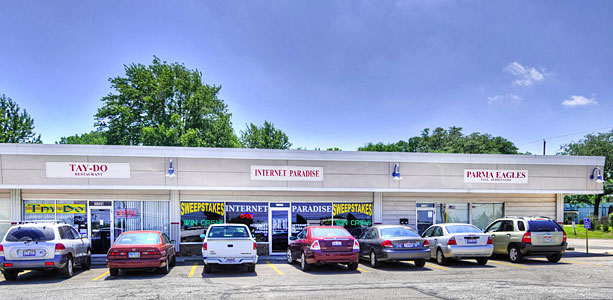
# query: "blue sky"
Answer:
x=328 y=73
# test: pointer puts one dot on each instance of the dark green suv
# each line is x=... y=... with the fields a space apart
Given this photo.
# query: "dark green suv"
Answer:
x=528 y=236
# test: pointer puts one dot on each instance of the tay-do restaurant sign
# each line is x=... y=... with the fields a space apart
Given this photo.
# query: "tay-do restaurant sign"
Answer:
x=87 y=170
x=287 y=173
x=496 y=176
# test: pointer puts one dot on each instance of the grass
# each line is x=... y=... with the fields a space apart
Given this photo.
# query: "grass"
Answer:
x=596 y=234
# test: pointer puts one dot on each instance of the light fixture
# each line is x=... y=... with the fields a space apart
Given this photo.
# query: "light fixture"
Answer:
x=171 y=171
x=396 y=173
x=599 y=177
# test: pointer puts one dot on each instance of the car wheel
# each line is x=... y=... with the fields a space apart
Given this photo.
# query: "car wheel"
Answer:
x=11 y=275
x=303 y=263
x=514 y=254
x=482 y=261
x=68 y=269
x=554 y=257
x=290 y=259
x=440 y=257
x=208 y=268
x=419 y=263
x=374 y=262
x=88 y=261
x=251 y=268
x=352 y=266
x=165 y=269
x=114 y=272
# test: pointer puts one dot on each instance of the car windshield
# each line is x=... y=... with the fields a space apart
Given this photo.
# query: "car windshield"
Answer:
x=543 y=225
x=397 y=232
x=324 y=232
x=138 y=239
x=34 y=234
x=228 y=231
x=463 y=229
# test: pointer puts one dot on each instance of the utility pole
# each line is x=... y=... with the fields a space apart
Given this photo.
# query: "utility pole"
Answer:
x=544 y=144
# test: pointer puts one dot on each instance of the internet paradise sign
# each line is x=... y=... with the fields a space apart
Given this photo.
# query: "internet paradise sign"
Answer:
x=287 y=173
x=495 y=176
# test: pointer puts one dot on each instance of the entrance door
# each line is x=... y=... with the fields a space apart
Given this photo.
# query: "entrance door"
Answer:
x=280 y=224
x=101 y=231
x=425 y=216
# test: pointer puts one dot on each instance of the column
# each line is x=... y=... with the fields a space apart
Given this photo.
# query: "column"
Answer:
x=377 y=208
x=175 y=218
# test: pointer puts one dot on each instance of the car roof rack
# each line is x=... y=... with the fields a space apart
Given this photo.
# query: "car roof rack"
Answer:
x=42 y=222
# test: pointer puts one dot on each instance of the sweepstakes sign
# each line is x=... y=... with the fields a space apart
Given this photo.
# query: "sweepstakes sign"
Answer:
x=87 y=170
x=495 y=176
x=287 y=173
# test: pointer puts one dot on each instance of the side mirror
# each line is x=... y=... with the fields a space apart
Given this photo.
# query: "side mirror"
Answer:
x=292 y=238
x=202 y=235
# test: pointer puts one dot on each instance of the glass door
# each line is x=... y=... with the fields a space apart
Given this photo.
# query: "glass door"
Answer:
x=101 y=231
x=425 y=216
x=279 y=230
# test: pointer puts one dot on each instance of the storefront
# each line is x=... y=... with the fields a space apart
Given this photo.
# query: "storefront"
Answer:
x=106 y=190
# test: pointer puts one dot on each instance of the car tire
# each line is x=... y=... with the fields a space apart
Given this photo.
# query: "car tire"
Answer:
x=68 y=269
x=288 y=256
x=165 y=269
x=352 y=266
x=482 y=261
x=114 y=272
x=419 y=263
x=554 y=258
x=251 y=268
x=515 y=255
x=303 y=263
x=374 y=261
x=440 y=258
x=10 y=275
x=208 y=268
x=88 y=261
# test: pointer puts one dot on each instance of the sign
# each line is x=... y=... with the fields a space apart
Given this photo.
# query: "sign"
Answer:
x=87 y=170
x=287 y=173
x=32 y=208
x=100 y=203
x=125 y=213
x=495 y=176
x=587 y=223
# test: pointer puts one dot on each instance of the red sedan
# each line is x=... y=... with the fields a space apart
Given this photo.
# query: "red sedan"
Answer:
x=150 y=250
x=324 y=245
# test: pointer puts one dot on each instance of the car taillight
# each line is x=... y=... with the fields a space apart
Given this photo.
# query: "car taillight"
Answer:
x=49 y=263
x=8 y=265
x=116 y=253
x=387 y=244
x=2 y=249
x=204 y=246
x=426 y=244
x=489 y=240
x=315 y=246
x=452 y=241
x=59 y=247
x=255 y=246
x=356 y=245
x=563 y=239
x=527 y=238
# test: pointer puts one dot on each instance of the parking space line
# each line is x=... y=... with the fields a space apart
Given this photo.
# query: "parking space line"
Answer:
x=571 y=262
x=437 y=267
x=192 y=271
x=275 y=268
x=507 y=264
x=362 y=270
x=103 y=274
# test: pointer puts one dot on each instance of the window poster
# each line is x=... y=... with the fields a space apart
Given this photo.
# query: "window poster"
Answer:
x=252 y=214
x=352 y=215
x=196 y=218
x=310 y=214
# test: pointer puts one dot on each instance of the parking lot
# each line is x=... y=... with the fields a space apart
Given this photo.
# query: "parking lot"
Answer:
x=576 y=276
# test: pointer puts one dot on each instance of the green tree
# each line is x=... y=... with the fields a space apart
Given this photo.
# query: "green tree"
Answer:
x=593 y=145
x=92 y=138
x=16 y=126
x=447 y=141
x=164 y=105
x=264 y=137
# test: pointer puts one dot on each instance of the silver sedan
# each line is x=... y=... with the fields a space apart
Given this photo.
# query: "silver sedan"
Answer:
x=458 y=241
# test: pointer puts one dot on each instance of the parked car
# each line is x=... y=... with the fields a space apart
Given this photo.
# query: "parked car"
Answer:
x=141 y=250
x=358 y=231
x=229 y=244
x=393 y=243
x=458 y=241
x=527 y=236
x=43 y=245
x=323 y=245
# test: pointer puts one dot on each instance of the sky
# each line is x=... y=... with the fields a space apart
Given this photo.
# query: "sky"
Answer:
x=329 y=73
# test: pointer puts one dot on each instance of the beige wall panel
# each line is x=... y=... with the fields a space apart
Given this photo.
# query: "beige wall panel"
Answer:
x=547 y=183
x=394 y=208
x=309 y=184
x=5 y=194
x=548 y=170
x=357 y=181
x=223 y=165
x=155 y=164
x=425 y=169
x=346 y=167
x=35 y=162
x=136 y=178
x=223 y=179
x=37 y=177
x=94 y=195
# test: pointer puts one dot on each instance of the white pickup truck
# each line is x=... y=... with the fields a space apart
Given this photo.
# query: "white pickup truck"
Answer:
x=229 y=244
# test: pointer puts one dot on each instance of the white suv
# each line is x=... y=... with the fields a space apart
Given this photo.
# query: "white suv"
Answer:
x=43 y=245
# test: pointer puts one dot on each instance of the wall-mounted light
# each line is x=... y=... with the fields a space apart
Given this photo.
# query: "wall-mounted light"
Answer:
x=171 y=171
x=599 y=177
x=396 y=172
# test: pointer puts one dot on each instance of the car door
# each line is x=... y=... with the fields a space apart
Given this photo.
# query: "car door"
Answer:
x=366 y=242
x=168 y=246
x=80 y=246
x=67 y=239
x=297 y=245
x=428 y=236
x=496 y=230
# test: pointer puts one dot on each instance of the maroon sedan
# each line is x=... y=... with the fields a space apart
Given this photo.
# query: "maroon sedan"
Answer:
x=324 y=245
x=149 y=250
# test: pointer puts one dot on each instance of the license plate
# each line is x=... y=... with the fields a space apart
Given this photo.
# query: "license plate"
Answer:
x=230 y=260
x=134 y=254
x=337 y=243
x=471 y=241
x=29 y=252
x=409 y=245
x=547 y=239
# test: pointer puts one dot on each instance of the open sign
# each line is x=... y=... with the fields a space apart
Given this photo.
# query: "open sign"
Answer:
x=125 y=213
x=246 y=216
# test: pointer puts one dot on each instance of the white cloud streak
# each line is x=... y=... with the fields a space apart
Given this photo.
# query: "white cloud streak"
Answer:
x=575 y=101
x=503 y=98
x=525 y=76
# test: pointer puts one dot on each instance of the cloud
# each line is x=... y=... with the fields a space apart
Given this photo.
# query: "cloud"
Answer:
x=579 y=101
x=503 y=98
x=525 y=75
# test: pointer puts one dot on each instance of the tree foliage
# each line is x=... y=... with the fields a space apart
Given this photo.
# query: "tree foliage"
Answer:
x=92 y=138
x=164 y=105
x=264 y=137
x=593 y=145
x=16 y=126
x=447 y=141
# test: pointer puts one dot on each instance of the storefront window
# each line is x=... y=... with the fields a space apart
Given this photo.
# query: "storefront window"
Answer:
x=38 y=210
x=485 y=213
x=156 y=216
x=127 y=216
x=5 y=216
x=197 y=216
x=457 y=213
x=73 y=213
x=254 y=215
x=310 y=214
x=352 y=215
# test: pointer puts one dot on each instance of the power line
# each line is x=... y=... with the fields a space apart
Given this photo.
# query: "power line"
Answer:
x=565 y=135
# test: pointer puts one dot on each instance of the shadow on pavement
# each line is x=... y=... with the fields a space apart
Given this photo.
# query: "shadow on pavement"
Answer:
x=328 y=269
x=463 y=264
x=229 y=271
x=40 y=277
x=398 y=267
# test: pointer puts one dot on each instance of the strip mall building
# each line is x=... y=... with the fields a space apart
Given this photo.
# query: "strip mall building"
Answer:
x=106 y=190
